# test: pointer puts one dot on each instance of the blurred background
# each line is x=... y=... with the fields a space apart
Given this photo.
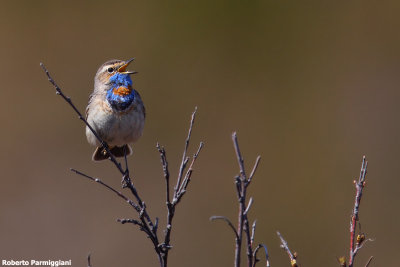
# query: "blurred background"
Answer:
x=311 y=86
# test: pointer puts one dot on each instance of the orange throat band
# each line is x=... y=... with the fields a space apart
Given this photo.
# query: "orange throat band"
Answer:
x=122 y=91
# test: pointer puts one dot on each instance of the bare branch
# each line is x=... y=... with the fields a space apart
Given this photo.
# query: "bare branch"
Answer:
x=267 y=264
x=359 y=245
x=246 y=229
x=253 y=231
x=285 y=246
x=241 y=184
x=180 y=187
x=355 y=245
x=164 y=164
x=248 y=206
x=88 y=260
x=97 y=180
x=239 y=156
x=369 y=261
x=214 y=218
x=132 y=221
x=254 y=169
x=188 y=174
x=184 y=158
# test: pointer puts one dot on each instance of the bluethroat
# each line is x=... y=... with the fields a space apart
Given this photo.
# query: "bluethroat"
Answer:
x=115 y=110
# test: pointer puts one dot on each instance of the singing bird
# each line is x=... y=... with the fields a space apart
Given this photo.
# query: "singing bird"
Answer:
x=115 y=110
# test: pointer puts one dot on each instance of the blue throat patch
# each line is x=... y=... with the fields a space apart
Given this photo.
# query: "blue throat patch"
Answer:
x=120 y=102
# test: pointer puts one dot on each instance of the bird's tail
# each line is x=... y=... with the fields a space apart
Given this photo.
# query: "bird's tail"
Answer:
x=118 y=151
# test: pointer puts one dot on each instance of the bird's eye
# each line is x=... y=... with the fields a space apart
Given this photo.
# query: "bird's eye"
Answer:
x=110 y=70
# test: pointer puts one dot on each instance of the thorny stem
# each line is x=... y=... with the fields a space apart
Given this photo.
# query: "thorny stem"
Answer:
x=145 y=224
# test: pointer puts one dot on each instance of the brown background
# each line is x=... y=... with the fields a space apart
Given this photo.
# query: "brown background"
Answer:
x=309 y=85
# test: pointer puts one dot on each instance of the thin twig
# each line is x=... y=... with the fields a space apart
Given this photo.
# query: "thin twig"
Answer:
x=143 y=226
x=356 y=244
x=241 y=191
x=241 y=184
x=369 y=261
x=132 y=221
x=249 y=249
x=214 y=218
x=254 y=169
x=88 y=261
x=180 y=187
x=184 y=158
x=253 y=231
x=97 y=180
x=267 y=264
x=164 y=164
x=248 y=206
x=137 y=223
x=186 y=180
x=239 y=156
x=285 y=246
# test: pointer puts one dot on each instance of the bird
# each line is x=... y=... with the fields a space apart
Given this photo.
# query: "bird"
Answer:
x=115 y=111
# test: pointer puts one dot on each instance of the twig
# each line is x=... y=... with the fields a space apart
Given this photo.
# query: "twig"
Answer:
x=241 y=191
x=180 y=187
x=184 y=158
x=88 y=261
x=267 y=264
x=253 y=231
x=357 y=243
x=97 y=180
x=285 y=246
x=241 y=183
x=369 y=261
x=186 y=180
x=254 y=169
x=164 y=164
x=132 y=221
x=214 y=218
x=239 y=156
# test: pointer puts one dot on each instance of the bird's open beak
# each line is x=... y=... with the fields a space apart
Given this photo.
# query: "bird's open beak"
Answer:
x=123 y=70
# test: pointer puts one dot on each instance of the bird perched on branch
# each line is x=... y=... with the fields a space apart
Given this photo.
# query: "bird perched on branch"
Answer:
x=115 y=110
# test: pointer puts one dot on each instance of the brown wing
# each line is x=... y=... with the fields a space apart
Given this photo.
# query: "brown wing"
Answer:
x=87 y=108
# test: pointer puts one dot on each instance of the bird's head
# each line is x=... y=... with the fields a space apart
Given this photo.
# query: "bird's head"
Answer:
x=114 y=73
